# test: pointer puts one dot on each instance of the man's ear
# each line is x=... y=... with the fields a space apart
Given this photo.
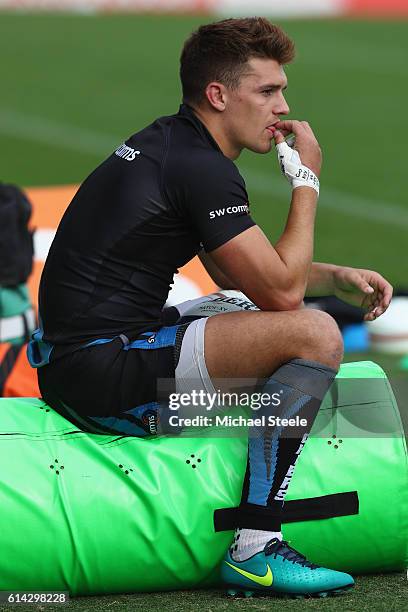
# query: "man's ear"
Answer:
x=216 y=95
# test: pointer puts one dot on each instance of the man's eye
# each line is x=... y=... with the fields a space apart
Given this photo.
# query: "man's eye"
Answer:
x=267 y=92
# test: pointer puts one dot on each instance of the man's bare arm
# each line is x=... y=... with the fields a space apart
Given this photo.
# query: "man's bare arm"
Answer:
x=320 y=281
x=274 y=278
x=364 y=288
x=213 y=270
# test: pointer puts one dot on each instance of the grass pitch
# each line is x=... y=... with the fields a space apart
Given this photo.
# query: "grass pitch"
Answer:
x=372 y=594
x=381 y=593
x=74 y=87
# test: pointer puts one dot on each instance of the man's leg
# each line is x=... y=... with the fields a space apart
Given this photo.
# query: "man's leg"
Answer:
x=255 y=344
x=300 y=386
x=299 y=383
x=299 y=352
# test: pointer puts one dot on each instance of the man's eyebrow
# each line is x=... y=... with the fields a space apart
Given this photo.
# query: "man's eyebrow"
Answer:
x=272 y=86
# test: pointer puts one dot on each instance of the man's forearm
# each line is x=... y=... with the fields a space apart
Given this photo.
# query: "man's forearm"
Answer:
x=320 y=281
x=295 y=246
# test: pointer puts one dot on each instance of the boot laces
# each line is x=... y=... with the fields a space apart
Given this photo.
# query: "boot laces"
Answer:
x=276 y=547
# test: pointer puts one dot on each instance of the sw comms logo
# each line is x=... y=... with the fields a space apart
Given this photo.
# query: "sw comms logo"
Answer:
x=126 y=152
x=230 y=210
x=151 y=420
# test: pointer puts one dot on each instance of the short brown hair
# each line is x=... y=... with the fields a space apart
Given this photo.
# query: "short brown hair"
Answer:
x=220 y=51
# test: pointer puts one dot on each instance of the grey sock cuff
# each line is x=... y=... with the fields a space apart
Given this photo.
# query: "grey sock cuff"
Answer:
x=307 y=363
x=309 y=377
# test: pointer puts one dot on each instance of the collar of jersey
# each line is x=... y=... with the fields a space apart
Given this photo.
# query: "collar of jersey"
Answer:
x=187 y=110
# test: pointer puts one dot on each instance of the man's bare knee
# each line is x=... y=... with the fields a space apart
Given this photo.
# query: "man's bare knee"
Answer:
x=323 y=338
x=255 y=344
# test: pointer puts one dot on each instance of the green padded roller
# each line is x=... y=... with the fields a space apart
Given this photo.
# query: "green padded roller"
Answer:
x=98 y=514
x=357 y=443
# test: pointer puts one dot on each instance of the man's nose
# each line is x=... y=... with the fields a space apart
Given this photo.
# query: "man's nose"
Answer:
x=282 y=107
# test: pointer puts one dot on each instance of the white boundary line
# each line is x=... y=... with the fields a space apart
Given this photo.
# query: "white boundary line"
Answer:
x=348 y=204
x=64 y=136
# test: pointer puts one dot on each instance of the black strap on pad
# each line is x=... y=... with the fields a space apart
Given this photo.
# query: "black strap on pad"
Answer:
x=309 y=509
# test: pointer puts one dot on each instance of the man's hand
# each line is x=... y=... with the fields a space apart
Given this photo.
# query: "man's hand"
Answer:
x=305 y=142
x=363 y=288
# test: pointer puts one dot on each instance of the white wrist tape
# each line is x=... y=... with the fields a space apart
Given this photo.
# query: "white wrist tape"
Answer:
x=291 y=165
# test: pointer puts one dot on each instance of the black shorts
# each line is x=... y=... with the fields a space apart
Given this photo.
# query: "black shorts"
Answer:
x=111 y=386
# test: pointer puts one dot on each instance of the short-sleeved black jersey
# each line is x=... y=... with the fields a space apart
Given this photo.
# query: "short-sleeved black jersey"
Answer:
x=143 y=213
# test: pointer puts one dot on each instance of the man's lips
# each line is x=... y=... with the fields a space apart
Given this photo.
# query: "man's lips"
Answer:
x=272 y=126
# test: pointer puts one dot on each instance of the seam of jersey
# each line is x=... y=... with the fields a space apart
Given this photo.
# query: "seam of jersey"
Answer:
x=163 y=164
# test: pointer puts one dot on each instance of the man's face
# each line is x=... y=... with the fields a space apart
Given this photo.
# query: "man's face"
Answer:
x=256 y=105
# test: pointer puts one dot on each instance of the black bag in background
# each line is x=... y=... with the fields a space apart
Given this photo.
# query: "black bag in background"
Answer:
x=16 y=239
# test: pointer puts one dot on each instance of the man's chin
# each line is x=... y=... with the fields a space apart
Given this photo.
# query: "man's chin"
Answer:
x=261 y=148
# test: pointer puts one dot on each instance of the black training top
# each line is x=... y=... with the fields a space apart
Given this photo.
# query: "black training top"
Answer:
x=142 y=214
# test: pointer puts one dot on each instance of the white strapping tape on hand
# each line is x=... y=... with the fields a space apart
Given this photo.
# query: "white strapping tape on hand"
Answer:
x=291 y=165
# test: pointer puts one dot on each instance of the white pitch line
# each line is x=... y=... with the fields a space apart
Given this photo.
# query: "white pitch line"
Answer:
x=56 y=134
x=64 y=136
x=344 y=203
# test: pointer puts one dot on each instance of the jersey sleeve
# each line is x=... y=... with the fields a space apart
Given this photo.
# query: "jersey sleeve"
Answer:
x=213 y=196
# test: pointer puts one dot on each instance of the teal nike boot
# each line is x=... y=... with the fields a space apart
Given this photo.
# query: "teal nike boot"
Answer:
x=281 y=570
